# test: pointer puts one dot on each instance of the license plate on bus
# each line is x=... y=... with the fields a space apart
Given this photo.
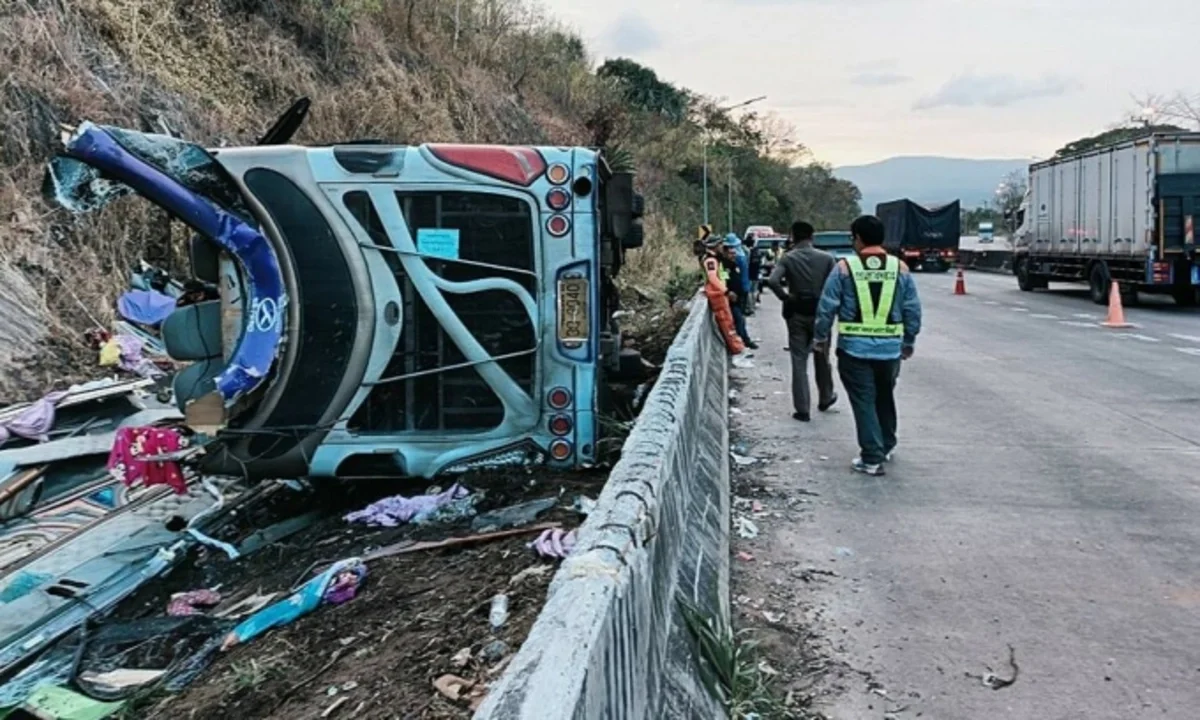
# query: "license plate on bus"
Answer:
x=573 y=324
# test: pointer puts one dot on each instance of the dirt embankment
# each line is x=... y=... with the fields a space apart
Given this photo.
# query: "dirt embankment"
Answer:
x=219 y=72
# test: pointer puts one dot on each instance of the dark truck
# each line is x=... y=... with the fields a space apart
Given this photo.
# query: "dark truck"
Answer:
x=924 y=237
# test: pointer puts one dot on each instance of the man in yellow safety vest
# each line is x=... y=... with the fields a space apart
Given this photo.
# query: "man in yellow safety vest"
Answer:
x=874 y=300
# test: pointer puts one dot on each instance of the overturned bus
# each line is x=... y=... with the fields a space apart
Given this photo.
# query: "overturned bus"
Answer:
x=383 y=310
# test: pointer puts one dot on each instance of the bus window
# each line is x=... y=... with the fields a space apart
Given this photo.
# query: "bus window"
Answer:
x=496 y=230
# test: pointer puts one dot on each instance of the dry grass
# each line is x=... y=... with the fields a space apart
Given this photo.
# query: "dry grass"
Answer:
x=219 y=72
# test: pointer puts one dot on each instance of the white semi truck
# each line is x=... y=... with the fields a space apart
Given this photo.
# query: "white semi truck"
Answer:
x=1123 y=212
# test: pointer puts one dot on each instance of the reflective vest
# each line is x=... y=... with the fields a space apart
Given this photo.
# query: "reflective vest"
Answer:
x=873 y=320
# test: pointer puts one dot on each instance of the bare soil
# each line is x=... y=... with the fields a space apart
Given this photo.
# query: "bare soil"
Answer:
x=377 y=655
x=771 y=602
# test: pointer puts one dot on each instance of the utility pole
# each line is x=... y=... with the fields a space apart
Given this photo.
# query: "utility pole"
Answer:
x=731 y=107
x=730 y=202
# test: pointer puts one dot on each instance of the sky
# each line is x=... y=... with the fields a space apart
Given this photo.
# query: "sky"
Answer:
x=864 y=80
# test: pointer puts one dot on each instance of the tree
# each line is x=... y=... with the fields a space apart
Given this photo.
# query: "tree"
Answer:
x=1010 y=193
x=1123 y=133
x=642 y=89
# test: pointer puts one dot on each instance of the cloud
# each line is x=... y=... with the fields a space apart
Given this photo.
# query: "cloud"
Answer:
x=631 y=34
x=995 y=91
x=879 y=79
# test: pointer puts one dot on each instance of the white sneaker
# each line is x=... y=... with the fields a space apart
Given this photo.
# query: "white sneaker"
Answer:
x=890 y=456
x=865 y=469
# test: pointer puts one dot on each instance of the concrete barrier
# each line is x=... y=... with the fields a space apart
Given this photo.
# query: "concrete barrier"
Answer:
x=610 y=642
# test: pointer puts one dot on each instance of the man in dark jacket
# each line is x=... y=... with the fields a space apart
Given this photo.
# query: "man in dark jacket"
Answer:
x=755 y=260
x=804 y=270
x=737 y=265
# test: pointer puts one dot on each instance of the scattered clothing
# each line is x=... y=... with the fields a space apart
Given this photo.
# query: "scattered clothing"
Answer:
x=34 y=422
x=145 y=307
x=555 y=543
x=336 y=585
x=396 y=510
x=186 y=603
x=131 y=444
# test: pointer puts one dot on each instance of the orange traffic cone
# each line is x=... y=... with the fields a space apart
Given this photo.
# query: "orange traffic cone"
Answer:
x=960 y=284
x=1116 y=313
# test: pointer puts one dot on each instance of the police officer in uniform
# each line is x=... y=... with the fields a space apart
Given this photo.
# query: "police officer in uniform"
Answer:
x=873 y=298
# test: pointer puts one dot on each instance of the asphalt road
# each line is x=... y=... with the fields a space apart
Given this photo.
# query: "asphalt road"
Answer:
x=1045 y=495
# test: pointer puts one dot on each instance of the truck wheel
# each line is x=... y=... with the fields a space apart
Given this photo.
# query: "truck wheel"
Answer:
x=1025 y=280
x=1185 y=297
x=1100 y=282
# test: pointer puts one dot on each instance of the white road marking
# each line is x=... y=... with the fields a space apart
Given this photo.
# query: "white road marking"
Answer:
x=1019 y=309
x=1137 y=336
x=1076 y=323
x=1189 y=351
x=1044 y=316
x=1089 y=316
x=990 y=302
x=1186 y=338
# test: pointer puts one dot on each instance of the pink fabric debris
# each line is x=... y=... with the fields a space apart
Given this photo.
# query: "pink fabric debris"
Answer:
x=132 y=359
x=396 y=510
x=185 y=603
x=555 y=543
x=132 y=444
x=35 y=421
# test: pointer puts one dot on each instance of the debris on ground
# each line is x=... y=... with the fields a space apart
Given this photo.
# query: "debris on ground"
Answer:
x=335 y=586
x=398 y=509
x=746 y=529
x=189 y=603
x=743 y=460
x=991 y=680
x=498 y=613
x=512 y=516
x=554 y=543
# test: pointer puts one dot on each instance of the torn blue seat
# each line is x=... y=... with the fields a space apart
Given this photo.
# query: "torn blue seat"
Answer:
x=193 y=332
x=196 y=380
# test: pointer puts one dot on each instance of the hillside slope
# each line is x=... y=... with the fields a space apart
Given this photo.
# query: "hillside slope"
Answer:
x=219 y=72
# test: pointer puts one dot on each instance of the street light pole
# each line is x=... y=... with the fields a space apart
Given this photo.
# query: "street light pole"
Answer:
x=731 y=107
x=730 y=201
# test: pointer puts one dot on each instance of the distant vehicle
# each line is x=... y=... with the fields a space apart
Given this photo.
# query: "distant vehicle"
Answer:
x=1123 y=212
x=409 y=310
x=986 y=233
x=759 y=231
x=838 y=243
x=924 y=237
x=769 y=248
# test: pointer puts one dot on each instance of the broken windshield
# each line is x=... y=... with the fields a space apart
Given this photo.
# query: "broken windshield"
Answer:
x=100 y=164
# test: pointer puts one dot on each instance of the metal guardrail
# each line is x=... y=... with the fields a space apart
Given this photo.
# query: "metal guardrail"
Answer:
x=610 y=641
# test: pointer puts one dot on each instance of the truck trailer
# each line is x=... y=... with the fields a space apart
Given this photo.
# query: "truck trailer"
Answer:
x=1122 y=212
x=924 y=237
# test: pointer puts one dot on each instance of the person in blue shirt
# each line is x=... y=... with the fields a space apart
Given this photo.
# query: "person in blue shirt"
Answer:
x=873 y=298
x=737 y=263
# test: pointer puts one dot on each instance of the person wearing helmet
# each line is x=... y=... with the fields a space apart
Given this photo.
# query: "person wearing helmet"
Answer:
x=737 y=265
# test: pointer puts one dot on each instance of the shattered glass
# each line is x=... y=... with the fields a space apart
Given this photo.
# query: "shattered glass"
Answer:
x=188 y=164
x=79 y=187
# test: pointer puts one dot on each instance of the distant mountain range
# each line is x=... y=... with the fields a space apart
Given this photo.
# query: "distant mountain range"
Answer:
x=929 y=180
